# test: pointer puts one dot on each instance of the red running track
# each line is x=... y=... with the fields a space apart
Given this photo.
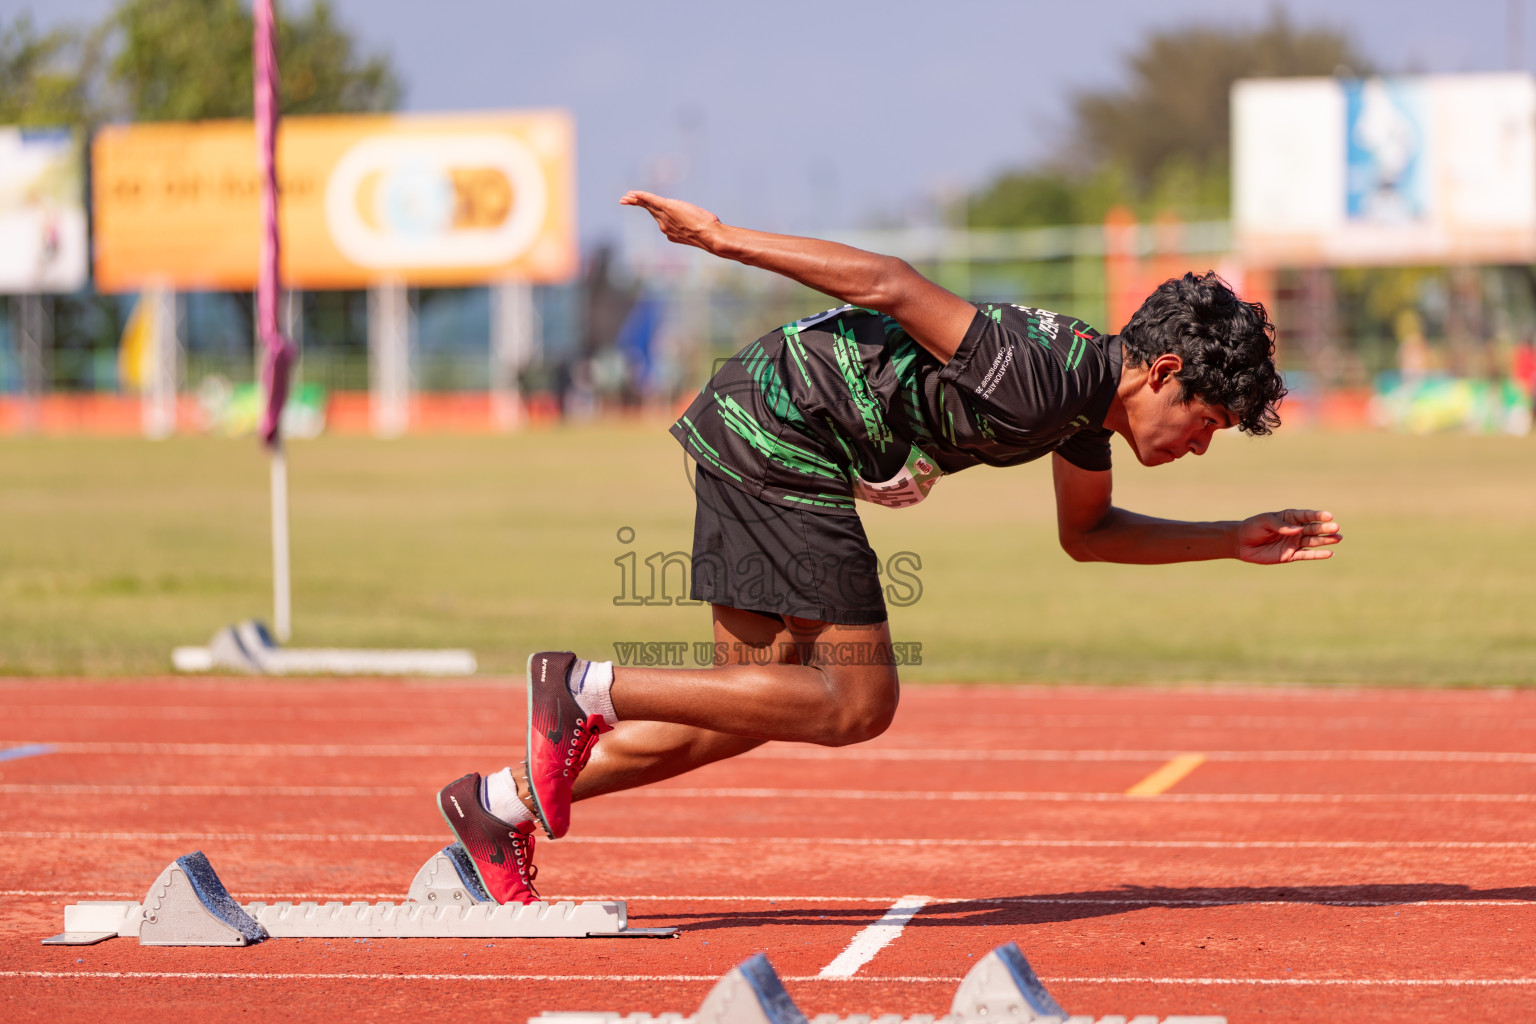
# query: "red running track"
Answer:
x=1360 y=854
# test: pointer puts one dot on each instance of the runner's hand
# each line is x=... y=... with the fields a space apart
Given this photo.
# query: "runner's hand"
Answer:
x=681 y=222
x=1295 y=535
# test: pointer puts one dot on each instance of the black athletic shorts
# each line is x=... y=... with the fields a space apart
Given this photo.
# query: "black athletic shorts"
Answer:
x=780 y=561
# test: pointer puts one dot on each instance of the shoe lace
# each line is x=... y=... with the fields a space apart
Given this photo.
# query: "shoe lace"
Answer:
x=522 y=851
x=583 y=739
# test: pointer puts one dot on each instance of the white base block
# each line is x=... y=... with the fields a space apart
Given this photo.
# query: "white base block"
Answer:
x=86 y=923
x=120 y=917
x=422 y=920
x=248 y=647
x=300 y=661
x=192 y=659
x=189 y=906
x=338 y=661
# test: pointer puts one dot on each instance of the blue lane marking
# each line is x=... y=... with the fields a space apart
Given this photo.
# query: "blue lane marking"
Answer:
x=26 y=750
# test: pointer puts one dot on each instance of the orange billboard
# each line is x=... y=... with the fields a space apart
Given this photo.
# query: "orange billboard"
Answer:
x=426 y=200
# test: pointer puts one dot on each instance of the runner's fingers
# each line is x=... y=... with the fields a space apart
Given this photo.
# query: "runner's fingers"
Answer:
x=1308 y=555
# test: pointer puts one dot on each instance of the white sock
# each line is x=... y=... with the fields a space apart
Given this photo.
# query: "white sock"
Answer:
x=498 y=793
x=592 y=685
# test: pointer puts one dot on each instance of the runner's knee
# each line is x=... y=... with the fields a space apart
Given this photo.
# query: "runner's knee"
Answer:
x=865 y=706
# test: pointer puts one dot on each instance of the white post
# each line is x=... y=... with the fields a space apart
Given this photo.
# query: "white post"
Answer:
x=293 y=330
x=282 y=616
x=389 y=358
x=159 y=404
x=31 y=344
x=282 y=590
x=514 y=339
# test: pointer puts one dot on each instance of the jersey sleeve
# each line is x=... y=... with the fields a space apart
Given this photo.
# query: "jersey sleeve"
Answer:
x=1017 y=380
x=1024 y=369
x=1087 y=449
x=991 y=367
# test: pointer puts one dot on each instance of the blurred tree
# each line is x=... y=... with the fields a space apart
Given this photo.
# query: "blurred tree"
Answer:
x=173 y=60
x=1049 y=196
x=1176 y=103
x=182 y=60
x=185 y=60
x=1162 y=141
x=1040 y=197
x=46 y=79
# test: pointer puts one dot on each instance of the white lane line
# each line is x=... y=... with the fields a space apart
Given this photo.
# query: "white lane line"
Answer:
x=756 y=841
x=948 y=904
x=1353 y=982
x=876 y=979
x=264 y=713
x=940 y=904
x=1047 y=796
x=1282 y=693
x=790 y=752
x=232 y=687
x=92 y=789
x=785 y=752
x=1158 y=720
x=354 y=976
x=1161 y=721
x=761 y=793
x=1150 y=844
x=273 y=837
x=280 y=749
x=873 y=938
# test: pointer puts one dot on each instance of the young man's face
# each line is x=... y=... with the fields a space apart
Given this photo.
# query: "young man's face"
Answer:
x=1162 y=427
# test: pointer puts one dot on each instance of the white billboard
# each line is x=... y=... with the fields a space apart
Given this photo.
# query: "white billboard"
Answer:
x=1429 y=169
x=43 y=242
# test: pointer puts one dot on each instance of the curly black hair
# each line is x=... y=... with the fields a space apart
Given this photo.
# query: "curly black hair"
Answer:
x=1227 y=345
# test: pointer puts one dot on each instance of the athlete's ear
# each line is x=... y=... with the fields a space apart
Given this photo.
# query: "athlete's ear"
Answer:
x=1163 y=369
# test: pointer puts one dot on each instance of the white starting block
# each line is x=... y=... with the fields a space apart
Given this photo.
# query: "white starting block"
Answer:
x=248 y=647
x=1001 y=987
x=189 y=906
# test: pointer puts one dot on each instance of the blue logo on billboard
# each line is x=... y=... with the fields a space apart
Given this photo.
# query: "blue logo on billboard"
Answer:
x=1387 y=181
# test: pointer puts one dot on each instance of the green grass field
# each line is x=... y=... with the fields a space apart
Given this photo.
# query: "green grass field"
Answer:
x=114 y=551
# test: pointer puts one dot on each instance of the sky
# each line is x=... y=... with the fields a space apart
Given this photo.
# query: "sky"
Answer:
x=826 y=115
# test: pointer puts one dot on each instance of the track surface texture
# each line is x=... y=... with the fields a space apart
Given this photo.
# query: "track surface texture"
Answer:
x=1337 y=854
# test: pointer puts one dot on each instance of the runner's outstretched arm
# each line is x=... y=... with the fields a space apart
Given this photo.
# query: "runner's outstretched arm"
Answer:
x=935 y=317
x=1092 y=529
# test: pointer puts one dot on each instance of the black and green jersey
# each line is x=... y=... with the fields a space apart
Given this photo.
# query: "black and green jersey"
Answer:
x=795 y=415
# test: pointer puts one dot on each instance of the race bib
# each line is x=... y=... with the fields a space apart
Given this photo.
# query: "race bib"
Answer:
x=908 y=487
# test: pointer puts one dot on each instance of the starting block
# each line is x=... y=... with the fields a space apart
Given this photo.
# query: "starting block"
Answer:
x=189 y=906
x=1002 y=987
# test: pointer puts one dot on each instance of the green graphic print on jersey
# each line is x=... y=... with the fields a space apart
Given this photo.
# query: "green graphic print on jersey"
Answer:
x=796 y=414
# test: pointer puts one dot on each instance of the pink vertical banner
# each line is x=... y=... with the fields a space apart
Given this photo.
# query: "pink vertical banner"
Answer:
x=277 y=361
